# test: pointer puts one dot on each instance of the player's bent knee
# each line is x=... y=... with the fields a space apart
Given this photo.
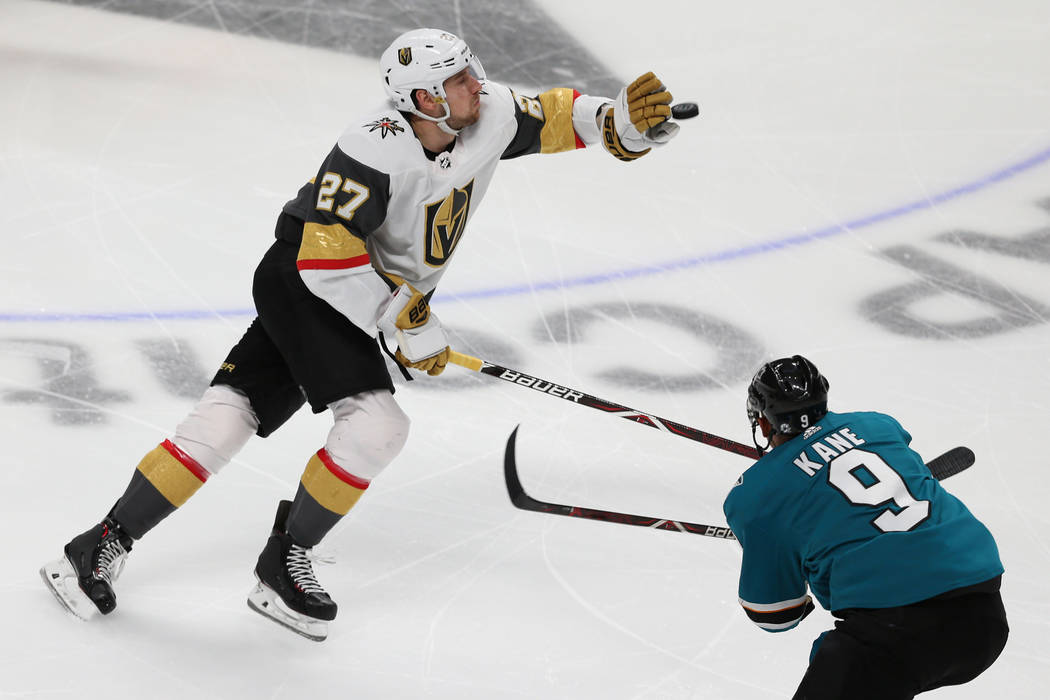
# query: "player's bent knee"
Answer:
x=370 y=430
x=217 y=427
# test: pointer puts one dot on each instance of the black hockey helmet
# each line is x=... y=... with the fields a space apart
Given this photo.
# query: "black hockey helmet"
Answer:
x=790 y=393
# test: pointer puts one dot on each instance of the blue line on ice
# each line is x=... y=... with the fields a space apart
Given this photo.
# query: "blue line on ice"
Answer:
x=787 y=241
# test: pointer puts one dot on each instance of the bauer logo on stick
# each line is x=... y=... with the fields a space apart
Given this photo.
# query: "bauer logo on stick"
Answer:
x=541 y=385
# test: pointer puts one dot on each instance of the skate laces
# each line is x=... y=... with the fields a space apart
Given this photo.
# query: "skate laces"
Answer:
x=111 y=561
x=300 y=568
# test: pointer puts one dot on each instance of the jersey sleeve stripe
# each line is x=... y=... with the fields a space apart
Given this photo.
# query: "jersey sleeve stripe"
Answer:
x=342 y=264
x=773 y=607
x=778 y=626
x=330 y=247
x=778 y=619
x=558 y=133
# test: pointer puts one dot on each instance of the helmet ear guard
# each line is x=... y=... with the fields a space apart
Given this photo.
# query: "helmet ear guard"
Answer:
x=423 y=59
x=790 y=393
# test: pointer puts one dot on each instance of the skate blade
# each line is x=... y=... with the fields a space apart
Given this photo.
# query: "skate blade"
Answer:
x=267 y=603
x=61 y=580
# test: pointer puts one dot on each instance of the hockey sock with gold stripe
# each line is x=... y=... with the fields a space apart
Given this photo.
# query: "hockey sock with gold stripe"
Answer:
x=326 y=493
x=164 y=480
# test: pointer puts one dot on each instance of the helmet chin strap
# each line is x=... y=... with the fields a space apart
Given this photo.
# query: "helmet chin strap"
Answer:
x=443 y=125
x=754 y=438
x=442 y=121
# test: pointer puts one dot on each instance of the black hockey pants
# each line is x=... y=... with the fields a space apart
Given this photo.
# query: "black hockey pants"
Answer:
x=897 y=653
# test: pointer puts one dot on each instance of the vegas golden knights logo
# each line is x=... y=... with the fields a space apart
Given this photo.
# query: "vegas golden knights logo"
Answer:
x=446 y=220
x=405 y=55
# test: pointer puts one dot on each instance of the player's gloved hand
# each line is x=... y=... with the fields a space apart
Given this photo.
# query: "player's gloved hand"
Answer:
x=421 y=341
x=431 y=365
x=639 y=119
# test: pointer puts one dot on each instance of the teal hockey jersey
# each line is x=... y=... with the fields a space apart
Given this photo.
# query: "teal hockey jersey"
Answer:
x=850 y=510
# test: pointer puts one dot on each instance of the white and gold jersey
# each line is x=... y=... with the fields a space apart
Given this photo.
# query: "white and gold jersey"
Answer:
x=382 y=211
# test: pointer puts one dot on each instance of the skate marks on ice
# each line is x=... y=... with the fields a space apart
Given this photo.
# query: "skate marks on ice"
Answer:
x=514 y=34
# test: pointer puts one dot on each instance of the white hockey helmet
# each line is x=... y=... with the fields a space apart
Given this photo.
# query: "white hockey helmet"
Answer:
x=423 y=59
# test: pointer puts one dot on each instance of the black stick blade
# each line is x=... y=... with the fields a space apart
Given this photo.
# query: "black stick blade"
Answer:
x=524 y=501
x=517 y=494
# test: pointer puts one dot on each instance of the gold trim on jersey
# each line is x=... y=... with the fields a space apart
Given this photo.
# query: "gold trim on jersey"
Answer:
x=558 y=133
x=445 y=221
x=331 y=242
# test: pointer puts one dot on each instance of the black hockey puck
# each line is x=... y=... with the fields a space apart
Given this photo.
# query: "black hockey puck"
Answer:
x=685 y=110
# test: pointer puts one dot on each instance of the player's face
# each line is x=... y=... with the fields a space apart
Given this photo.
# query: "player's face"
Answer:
x=463 y=92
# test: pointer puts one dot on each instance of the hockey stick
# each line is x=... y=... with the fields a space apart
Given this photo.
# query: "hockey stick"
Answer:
x=546 y=387
x=524 y=501
x=948 y=464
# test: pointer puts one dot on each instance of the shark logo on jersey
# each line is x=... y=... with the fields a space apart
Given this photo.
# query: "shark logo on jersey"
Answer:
x=446 y=220
x=404 y=56
x=386 y=125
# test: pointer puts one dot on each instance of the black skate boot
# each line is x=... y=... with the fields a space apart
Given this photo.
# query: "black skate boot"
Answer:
x=288 y=592
x=83 y=580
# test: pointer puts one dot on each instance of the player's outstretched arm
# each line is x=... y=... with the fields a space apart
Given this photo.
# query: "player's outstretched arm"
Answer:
x=638 y=120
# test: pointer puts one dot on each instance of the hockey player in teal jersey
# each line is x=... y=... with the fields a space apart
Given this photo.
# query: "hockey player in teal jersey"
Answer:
x=840 y=504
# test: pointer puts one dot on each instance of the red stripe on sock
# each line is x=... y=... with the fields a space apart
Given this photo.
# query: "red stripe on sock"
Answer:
x=342 y=474
x=185 y=460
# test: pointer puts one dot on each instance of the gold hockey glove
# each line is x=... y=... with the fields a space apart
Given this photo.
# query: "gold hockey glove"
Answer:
x=421 y=340
x=639 y=119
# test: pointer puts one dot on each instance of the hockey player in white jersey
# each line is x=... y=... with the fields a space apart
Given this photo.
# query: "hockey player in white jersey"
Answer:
x=359 y=252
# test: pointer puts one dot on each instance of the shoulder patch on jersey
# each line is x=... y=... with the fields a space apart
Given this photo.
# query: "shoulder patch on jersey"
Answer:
x=385 y=125
x=366 y=142
x=811 y=431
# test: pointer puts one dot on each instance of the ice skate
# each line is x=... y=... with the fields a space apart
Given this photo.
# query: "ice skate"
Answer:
x=287 y=591
x=82 y=580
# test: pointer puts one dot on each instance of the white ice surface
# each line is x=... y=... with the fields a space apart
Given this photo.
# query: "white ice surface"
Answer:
x=142 y=164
